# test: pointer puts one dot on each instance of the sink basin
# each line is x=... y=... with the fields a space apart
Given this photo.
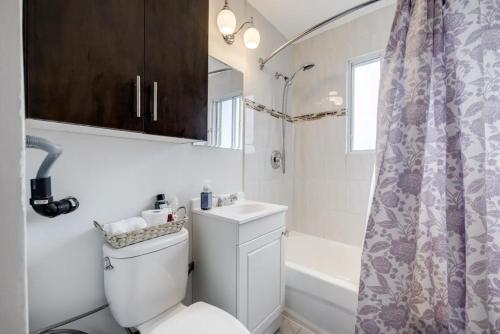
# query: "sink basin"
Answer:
x=245 y=208
x=242 y=211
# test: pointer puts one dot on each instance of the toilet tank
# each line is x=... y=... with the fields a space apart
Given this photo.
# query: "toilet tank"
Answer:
x=143 y=280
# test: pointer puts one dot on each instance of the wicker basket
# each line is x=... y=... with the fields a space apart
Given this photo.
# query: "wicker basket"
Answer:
x=130 y=238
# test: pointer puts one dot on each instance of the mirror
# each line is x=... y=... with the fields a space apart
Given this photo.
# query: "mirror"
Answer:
x=225 y=105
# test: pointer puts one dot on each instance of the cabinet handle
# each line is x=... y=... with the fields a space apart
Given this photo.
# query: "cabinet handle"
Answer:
x=138 y=96
x=155 y=101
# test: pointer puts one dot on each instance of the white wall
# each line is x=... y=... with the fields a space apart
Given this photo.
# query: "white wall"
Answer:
x=262 y=131
x=13 y=303
x=115 y=178
x=331 y=186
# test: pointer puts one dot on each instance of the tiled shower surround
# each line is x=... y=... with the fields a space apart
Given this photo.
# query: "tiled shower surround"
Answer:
x=327 y=188
x=332 y=185
x=292 y=119
x=331 y=188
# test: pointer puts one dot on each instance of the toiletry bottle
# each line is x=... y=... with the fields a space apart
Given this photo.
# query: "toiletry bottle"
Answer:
x=174 y=203
x=161 y=202
x=206 y=197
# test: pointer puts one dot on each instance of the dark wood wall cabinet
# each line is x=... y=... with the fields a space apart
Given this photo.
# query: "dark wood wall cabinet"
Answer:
x=136 y=65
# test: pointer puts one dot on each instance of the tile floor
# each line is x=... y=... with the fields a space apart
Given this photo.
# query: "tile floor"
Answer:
x=289 y=326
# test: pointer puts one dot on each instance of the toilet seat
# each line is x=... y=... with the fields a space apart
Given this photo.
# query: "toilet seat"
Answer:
x=199 y=318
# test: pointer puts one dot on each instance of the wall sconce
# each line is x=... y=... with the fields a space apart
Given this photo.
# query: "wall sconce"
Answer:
x=226 y=21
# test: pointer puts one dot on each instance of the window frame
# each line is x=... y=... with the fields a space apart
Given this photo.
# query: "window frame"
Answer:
x=237 y=122
x=351 y=65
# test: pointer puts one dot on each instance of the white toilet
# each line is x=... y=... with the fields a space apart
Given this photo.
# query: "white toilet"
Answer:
x=145 y=284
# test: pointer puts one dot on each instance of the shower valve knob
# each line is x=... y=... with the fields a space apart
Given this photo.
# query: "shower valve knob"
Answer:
x=276 y=159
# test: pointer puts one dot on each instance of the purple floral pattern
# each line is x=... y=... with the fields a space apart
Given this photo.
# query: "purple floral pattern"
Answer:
x=431 y=259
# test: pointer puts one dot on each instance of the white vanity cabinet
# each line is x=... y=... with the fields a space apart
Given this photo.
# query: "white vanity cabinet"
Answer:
x=239 y=262
x=260 y=281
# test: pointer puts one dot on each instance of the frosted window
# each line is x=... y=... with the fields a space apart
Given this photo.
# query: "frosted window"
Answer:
x=237 y=121
x=226 y=123
x=226 y=126
x=364 y=85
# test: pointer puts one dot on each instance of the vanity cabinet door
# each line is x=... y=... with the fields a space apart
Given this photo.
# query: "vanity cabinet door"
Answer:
x=177 y=65
x=261 y=281
x=82 y=60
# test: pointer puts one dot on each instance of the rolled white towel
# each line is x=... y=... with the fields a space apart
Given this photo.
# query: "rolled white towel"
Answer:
x=125 y=226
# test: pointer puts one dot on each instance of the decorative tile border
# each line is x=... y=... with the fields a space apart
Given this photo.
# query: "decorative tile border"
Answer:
x=307 y=117
x=312 y=117
x=262 y=108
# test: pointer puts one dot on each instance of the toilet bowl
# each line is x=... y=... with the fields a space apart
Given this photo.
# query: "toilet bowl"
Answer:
x=145 y=283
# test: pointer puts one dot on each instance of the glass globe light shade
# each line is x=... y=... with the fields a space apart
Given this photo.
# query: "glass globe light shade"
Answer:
x=251 y=38
x=226 y=21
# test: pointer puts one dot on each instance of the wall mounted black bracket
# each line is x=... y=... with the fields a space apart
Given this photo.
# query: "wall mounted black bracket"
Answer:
x=41 y=190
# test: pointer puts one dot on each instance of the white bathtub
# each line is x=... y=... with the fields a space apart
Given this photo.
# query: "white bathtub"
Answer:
x=322 y=278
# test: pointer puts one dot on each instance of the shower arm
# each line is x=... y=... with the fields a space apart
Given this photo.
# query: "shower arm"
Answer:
x=264 y=61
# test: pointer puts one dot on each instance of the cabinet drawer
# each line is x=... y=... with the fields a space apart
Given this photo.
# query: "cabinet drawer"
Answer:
x=255 y=229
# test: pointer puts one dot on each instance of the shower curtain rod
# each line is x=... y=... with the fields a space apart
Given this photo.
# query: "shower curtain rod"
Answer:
x=262 y=62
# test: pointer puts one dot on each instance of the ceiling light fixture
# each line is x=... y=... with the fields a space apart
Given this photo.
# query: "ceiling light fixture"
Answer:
x=226 y=21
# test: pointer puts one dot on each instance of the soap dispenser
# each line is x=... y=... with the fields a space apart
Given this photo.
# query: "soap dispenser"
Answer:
x=206 y=197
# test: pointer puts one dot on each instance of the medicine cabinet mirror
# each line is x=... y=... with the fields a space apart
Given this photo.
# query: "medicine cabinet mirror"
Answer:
x=225 y=105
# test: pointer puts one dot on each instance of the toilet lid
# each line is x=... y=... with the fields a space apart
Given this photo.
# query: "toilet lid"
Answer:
x=201 y=318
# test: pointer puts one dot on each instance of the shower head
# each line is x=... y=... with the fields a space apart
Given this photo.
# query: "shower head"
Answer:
x=304 y=68
x=307 y=67
x=288 y=80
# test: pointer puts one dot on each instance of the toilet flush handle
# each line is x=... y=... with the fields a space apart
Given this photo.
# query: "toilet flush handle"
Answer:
x=107 y=264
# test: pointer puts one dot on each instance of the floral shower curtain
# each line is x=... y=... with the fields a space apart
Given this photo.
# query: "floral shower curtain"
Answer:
x=431 y=259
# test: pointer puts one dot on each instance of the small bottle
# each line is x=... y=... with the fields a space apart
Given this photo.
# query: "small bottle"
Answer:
x=206 y=197
x=174 y=203
x=161 y=202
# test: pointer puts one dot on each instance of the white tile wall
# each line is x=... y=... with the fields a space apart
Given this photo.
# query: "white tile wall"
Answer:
x=331 y=187
x=263 y=132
